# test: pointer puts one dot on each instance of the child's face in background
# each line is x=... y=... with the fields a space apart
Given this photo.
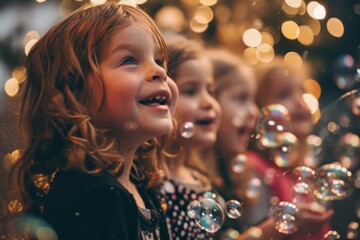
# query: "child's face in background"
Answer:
x=139 y=97
x=286 y=88
x=239 y=112
x=196 y=105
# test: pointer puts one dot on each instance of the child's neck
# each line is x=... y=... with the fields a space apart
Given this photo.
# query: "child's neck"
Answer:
x=124 y=178
x=180 y=172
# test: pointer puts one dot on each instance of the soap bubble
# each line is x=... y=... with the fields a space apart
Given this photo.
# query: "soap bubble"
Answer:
x=286 y=217
x=333 y=182
x=238 y=163
x=312 y=158
x=347 y=150
x=209 y=216
x=303 y=179
x=234 y=209
x=209 y=195
x=253 y=188
x=193 y=208
x=275 y=118
x=303 y=174
x=336 y=121
x=346 y=75
x=187 y=130
x=331 y=235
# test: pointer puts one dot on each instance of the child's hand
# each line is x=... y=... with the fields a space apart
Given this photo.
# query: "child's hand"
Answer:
x=313 y=217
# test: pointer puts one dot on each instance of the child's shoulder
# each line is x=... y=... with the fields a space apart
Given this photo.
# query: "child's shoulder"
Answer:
x=76 y=186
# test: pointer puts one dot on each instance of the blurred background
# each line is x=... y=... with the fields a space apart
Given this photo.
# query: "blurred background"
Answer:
x=325 y=33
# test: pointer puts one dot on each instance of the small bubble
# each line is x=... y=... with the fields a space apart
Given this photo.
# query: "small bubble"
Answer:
x=331 y=235
x=286 y=217
x=187 y=130
x=253 y=188
x=234 y=209
x=77 y=214
x=238 y=163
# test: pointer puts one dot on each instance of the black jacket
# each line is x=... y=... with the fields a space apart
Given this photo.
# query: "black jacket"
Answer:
x=87 y=207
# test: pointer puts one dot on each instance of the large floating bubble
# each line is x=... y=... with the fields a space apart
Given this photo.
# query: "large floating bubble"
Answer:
x=187 y=130
x=333 y=182
x=286 y=217
x=209 y=216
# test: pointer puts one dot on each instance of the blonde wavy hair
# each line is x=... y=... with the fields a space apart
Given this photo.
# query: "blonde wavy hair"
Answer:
x=56 y=120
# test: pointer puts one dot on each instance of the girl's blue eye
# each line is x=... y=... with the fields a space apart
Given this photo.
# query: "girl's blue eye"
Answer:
x=128 y=61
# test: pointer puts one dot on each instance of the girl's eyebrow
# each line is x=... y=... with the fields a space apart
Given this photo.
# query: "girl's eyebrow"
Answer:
x=123 y=46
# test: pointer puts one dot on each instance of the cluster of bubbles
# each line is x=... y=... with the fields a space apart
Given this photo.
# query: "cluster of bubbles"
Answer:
x=311 y=183
x=274 y=133
x=208 y=213
x=318 y=181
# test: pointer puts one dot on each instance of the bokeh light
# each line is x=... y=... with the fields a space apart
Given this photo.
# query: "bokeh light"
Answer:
x=335 y=27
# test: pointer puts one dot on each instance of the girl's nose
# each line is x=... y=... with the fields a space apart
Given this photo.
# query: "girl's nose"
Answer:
x=156 y=72
x=207 y=101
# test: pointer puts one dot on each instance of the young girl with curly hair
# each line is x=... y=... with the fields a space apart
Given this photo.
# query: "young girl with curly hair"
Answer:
x=95 y=96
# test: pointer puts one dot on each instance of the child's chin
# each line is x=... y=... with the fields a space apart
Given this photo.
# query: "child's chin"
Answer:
x=164 y=129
